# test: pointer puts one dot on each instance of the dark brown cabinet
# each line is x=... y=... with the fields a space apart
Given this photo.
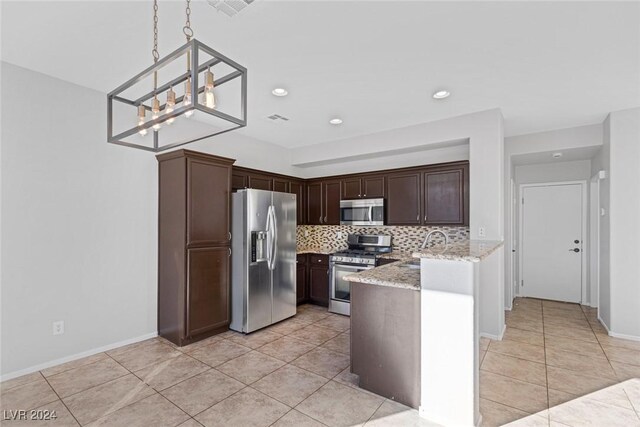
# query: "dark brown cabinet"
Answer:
x=297 y=188
x=319 y=279
x=446 y=195
x=302 y=284
x=403 y=198
x=368 y=187
x=314 y=203
x=260 y=182
x=281 y=185
x=331 y=202
x=193 y=245
x=352 y=188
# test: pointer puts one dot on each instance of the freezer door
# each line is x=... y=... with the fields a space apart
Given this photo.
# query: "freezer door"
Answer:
x=284 y=261
x=258 y=296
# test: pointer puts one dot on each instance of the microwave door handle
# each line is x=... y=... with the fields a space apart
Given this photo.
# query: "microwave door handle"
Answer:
x=371 y=213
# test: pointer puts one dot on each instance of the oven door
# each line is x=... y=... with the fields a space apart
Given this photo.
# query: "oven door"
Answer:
x=362 y=212
x=340 y=289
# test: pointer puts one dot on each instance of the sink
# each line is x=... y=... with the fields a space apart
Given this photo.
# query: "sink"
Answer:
x=414 y=265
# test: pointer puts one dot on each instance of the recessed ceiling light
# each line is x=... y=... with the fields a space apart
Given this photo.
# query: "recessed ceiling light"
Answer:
x=279 y=92
x=557 y=155
x=441 y=94
x=336 y=121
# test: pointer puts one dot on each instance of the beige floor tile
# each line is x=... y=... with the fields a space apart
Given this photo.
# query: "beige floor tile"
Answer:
x=338 y=405
x=580 y=363
x=346 y=377
x=73 y=364
x=570 y=332
x=22 y=380
x=286 y=327
x=250 y=367
x=230 y=334
x=196 y=345
x=152 y=411
x=526 y=315
x=394 y=414
x=336 y=322
x=564 y=314
x=484 y=343
x=190 y=423
x=245 y=408
x=527 y=325
x=622 y=355
x=286 y=348
x=483 y=354
x=625 y=371
x=533 y=353
x=255 y=339
x=573 y=323
x=76 y=380
x=200 y=392
x=96 y=402
x=613 y=395
x=290 y=385
x=323 y=362
x=146 y=355
x=294 y=418
x=63 y=417
x=517 y=394
x=341 y=344
x=576 y=383
x=171 y=371
x=557 y=397
x=586 y=348
x=618 y=342
x=495 y=414
x=27 y=396
x=534 y=420
x=219 y=352
x=520 y=369
x=521 y=335
x=559 y=305
x=311 y=316
x=314 y=334
x=120 y=350
x=588 y=412
x=632 y=389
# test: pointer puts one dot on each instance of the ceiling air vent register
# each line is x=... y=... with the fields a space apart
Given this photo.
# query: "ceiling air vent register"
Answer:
x=230 y=7
x=278 y=117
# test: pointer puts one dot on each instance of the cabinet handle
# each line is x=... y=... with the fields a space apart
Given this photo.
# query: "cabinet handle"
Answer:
x=229 y=236
x=418 y=217
x=425 y=218
x=320 y=220
x=359 y=195
x=365 y=195
x=229 y=251
x=325 y=219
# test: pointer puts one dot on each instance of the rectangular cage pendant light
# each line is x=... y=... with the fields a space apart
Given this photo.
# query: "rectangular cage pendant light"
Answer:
x=191 y=94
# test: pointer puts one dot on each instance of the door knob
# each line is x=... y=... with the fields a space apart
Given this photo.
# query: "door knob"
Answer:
x=574 y=250
x=576 y=241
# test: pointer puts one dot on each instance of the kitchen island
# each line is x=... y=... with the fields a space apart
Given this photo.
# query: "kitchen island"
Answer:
x=428 y=350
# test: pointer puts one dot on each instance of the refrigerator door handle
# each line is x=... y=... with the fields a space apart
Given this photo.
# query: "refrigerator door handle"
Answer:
x=269 y=237
x=274 y=251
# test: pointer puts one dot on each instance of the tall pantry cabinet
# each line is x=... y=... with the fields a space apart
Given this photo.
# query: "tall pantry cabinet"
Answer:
x=194 y=245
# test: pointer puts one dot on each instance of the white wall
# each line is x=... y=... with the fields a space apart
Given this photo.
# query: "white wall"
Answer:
x=577 y=138
x=623 y=147
x=79 y=221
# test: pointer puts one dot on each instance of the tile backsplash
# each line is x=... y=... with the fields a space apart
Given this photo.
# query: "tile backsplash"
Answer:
x=405 y=238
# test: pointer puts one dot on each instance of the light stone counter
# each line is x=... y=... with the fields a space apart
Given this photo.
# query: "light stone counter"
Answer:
x=325 y=250
x=392 y=275
x=470 y=250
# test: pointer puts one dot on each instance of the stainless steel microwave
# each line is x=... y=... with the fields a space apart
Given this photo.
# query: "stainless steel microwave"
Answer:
x=362 y=212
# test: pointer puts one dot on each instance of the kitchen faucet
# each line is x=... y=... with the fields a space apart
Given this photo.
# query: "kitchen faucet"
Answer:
x=431 y=233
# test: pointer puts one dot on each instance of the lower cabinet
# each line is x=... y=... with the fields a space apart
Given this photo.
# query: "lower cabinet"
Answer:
x=302 y=284
x=208 y=290
x=319 y=279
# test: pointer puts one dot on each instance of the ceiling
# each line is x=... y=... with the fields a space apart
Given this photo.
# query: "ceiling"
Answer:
x=375 y=64
x=567 y=155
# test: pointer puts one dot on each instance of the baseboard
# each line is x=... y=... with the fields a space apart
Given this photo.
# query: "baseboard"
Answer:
x=493 y=336
x=624 y=336
x=604 y=325
x=76 y=356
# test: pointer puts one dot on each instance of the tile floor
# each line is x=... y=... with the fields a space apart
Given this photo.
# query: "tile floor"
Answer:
x=296 y=373
x=553 y=353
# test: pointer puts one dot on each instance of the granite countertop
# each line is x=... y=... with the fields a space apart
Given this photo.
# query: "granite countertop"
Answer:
x=398 y=255
x=469 y=250
x=392 y=275
x=325 y=250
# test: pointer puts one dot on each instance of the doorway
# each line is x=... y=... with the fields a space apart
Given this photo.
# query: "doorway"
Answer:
x=552 y=241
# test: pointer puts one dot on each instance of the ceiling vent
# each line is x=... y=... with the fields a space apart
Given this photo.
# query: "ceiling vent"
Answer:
x=278 y=117
x=230 y=7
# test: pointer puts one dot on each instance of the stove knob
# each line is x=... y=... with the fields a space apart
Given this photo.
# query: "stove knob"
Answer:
x=350 y=260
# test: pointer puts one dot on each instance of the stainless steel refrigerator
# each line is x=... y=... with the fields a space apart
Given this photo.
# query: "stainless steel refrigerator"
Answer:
x=263 y=281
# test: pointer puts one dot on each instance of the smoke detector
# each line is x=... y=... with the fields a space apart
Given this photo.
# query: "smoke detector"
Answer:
x=230 y=7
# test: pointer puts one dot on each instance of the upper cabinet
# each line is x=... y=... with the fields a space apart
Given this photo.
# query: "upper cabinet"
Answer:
x=366 y=187
x=323 y=202
x=446 y=195
x=403 y=198
x=297 y=188
x=314 y=203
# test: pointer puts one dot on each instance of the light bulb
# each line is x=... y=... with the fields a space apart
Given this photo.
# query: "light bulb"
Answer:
x=171 y=102
x=141 y=116
x=187 y=97
x=208 y=98
x=155 y=112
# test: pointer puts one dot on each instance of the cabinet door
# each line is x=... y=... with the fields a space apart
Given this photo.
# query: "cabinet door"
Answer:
x=239 y=180
x=208 y=305
x=314 y=203
x=280 y=185
x=444 y=197
x=351 y=188
x=302 y=288
x=260 y=182
x=403 y=199
x=319 y=284
x=209 y=191
x=373 y=187
x=331 y=203
x=297 y=188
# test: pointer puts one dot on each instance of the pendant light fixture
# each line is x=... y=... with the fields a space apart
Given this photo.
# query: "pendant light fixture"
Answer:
x=206 y=97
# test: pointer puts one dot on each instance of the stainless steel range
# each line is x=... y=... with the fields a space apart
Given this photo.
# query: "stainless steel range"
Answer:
x=363 y=254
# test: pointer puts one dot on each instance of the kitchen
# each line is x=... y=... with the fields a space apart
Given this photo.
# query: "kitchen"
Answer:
x=326 y=229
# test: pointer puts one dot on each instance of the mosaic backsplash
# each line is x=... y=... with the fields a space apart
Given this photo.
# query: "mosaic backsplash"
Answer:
x=405 y=238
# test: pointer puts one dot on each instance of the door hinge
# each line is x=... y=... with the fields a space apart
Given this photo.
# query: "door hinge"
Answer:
x=522 y=283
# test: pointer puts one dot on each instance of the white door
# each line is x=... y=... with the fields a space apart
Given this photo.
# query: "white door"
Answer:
x=552 y=242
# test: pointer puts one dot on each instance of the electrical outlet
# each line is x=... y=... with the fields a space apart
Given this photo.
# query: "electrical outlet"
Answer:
x=339 y=235
x=58 y=327
x=481 y=232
